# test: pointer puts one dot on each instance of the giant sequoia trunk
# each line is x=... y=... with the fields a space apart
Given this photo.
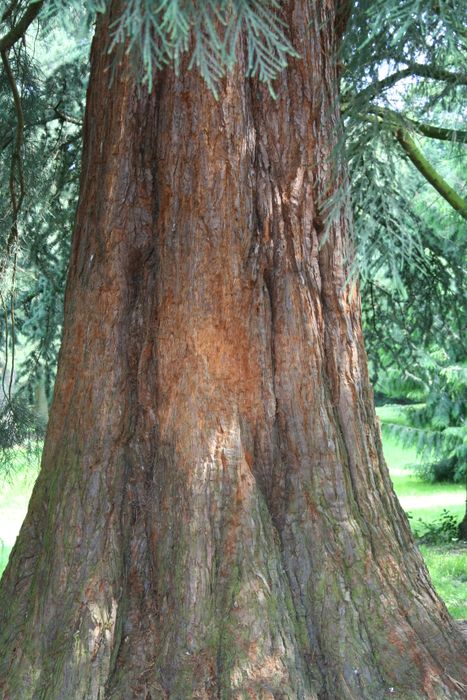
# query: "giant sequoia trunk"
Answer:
x=214 y=518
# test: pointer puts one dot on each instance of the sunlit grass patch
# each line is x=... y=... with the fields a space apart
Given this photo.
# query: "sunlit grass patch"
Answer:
x=423 y=500
x=448 y=570
x=4 y=554
x=392 y=414
x=16 y=482
x=425 y=503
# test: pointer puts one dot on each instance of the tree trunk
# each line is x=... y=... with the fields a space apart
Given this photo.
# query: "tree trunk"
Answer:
x=214 y=518
x=462 y=531
x=41 y=406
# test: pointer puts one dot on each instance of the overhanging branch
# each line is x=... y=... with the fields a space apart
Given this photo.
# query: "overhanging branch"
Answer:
x=19 y=29
x=397 y=120
x=413 y=70
x=430 y=173
x=16 y=180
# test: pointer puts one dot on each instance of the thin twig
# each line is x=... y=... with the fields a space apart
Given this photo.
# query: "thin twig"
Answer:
x=12 y=321
x=7 y=341
x=62 y=116
x=16 y=167
x=19 y=29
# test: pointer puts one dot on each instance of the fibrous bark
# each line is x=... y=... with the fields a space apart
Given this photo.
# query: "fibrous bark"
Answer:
x=213 y=517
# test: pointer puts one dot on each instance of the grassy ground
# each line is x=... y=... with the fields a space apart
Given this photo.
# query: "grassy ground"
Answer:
x=15 y=490
x=418 y=498
x=425 y=504
x=448 y=570
x=447 y=563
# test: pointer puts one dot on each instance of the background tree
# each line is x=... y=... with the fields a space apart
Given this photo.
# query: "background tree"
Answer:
x=405 y=111
x=35 y=240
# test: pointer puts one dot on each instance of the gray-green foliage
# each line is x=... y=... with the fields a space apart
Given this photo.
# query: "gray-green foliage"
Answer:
x=402 y=61
x=437 y=428
x=404 y=64
x=33 y=269
x=207 y=32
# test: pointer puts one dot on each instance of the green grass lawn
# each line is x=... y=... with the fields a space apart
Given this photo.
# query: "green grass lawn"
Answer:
x=15 y=490
x=419 y=498
x=447 y=563
x=426 y=502
x=448 y=570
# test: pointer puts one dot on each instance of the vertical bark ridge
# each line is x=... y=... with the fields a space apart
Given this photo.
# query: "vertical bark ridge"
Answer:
x=67 y=569
x=225 y=620
x=355 y=463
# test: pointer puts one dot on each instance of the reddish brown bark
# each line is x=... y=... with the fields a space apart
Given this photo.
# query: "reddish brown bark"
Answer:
x=214 y=518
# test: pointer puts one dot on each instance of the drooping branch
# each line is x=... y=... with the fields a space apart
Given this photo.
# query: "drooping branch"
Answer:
x=50 y=116
x=16 y=179
x=413 y=70
x=430 y=173
x=16 y=201
x=397 y=120
x=19 y=29
x=7 y=345
x=9 y=10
